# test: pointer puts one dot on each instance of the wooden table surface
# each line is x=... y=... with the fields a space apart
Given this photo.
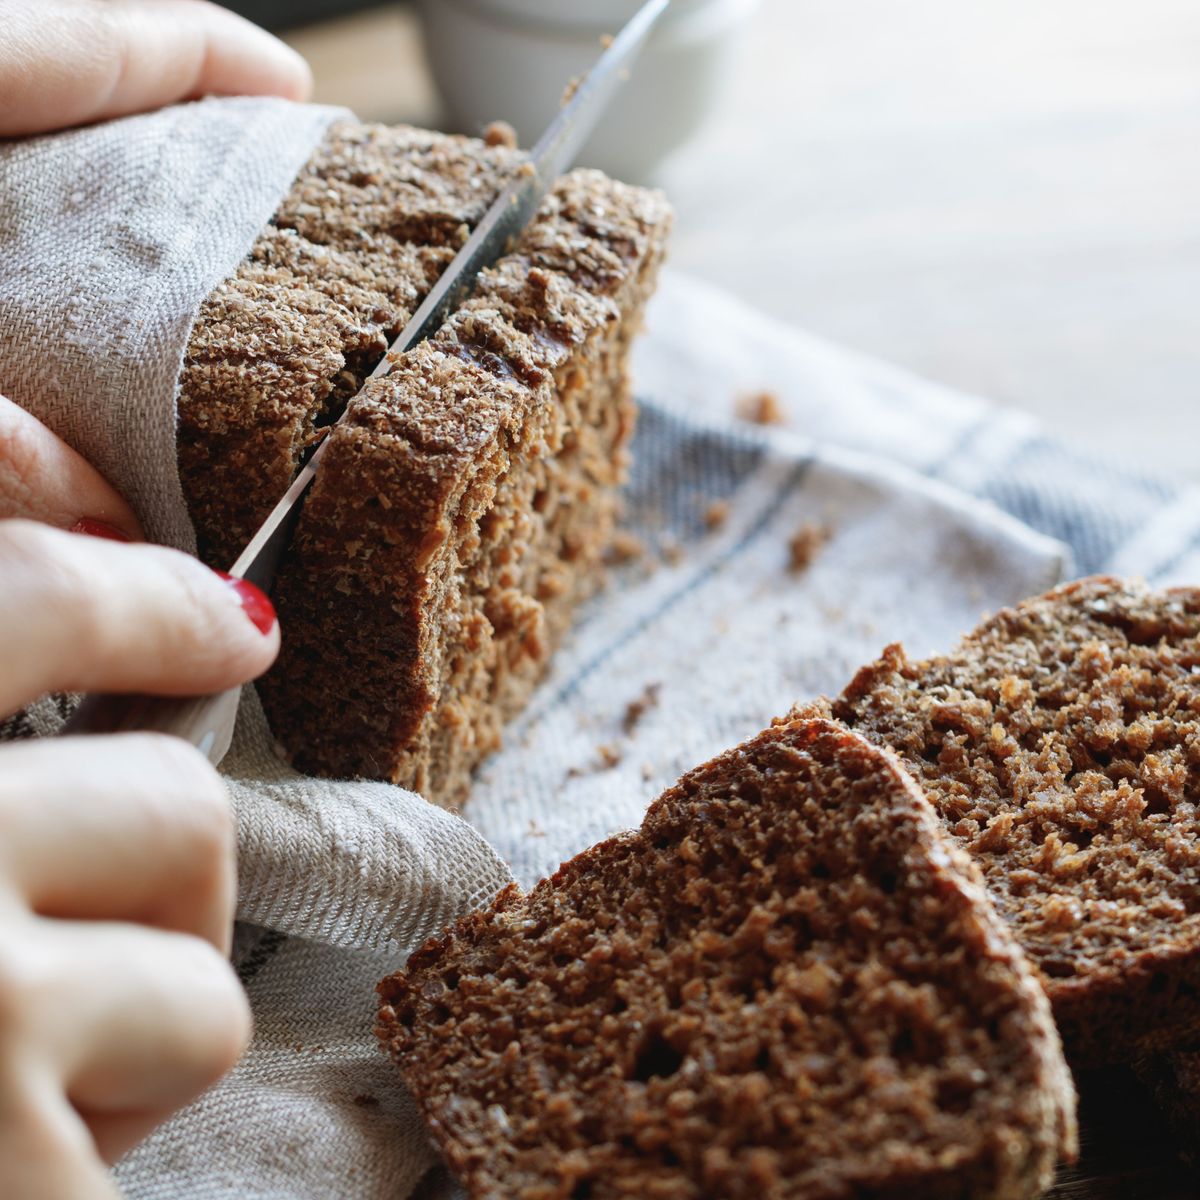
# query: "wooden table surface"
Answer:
x=1003 y=195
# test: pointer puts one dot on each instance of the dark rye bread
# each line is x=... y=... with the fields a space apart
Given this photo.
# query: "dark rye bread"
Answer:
x=787 y=983
x=372 y=220
x=1060 y=744
x=463 y=507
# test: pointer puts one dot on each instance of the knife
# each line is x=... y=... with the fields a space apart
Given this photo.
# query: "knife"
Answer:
x=207 y=721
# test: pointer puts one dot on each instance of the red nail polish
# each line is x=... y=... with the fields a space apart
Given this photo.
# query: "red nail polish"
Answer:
x=100 y=529
x=255 y=602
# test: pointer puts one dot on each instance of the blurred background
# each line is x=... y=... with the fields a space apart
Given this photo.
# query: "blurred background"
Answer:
x=1003 y=195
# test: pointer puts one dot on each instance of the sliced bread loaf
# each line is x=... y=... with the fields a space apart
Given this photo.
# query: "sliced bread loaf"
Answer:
x=370 y=223
x=464 y=505
x=787 y=983
x=1060 y=745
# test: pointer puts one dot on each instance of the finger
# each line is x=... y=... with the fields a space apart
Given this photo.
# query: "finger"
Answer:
x=115 y=1134
x=136 y=1020
x=133 y=827
x=43 y=479
x=47 y=1151
x=81 y=614
x=68 y=62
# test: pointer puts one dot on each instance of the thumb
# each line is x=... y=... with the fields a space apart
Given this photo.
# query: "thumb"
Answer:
x=67 y=62
x=43 y=479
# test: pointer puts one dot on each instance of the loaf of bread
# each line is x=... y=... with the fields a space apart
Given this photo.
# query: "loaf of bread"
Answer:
x=787 y=983
x=463 y=505
x=1060 y=744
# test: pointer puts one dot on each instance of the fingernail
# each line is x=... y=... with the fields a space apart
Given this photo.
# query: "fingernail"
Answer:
x=100 y=529
x=255 y=602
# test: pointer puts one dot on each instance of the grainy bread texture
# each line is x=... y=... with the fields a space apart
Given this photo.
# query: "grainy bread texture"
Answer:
x=787 y=983
x=372 y=220
x=464 y=504
x=1060 y=744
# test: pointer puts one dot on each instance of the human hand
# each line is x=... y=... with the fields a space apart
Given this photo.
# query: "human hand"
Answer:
x=43 y=479
x=69 y=62
x=117 y=1004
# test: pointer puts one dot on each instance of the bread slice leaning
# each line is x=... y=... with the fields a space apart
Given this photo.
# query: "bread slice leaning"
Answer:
x=787 y=983
x=1060 y=745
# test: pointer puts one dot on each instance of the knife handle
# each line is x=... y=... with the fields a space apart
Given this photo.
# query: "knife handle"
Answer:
x=205 y=721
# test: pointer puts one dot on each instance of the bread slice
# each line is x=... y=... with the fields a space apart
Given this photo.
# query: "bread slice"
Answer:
x=1060 y=744
x=372 y=220
x=463 y=506
x=787 y=983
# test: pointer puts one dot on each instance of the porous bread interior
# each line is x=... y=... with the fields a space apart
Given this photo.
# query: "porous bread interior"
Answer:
x=526 y=566
x=780 y=987
x=1061 y=744
x=463 y=506
x=410 y=676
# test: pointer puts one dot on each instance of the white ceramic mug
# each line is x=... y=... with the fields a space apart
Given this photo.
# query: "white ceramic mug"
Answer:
x=512 y=59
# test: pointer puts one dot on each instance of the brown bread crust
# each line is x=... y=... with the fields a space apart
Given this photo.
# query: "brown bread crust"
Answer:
x=372 y=220
x=787 y=983
x=463 y=506
x=1060 y=745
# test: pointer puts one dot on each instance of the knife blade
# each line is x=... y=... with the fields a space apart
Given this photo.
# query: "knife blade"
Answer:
x=207 y=721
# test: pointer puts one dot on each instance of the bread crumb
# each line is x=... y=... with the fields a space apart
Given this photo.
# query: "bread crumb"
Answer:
x=606 y=40
x=609 y=755
x=716 y=514
x=500 y=133
x=625 y=547
x=672 y=552
x=761 y=408
x=805 y=543
x=570 y=90
x=635 y=710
